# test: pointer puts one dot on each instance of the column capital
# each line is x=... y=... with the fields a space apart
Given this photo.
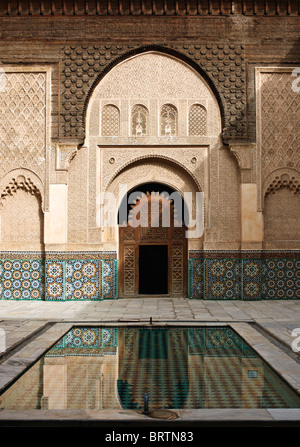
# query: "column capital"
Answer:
x=65 y=152
x=244 y=155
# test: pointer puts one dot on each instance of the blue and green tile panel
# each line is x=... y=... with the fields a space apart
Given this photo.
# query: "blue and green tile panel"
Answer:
x=57 y=279
x=244 y=276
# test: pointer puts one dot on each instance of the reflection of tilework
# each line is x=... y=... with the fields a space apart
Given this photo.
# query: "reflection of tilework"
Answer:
x=82 y=279
x=21 y=279
x=212 y=341
x=87 y=341
x=109 y=337
x=244 y=276
x=109 y=279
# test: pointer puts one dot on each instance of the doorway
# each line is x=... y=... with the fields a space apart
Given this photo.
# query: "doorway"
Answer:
x=153 y=269
x=153 y=253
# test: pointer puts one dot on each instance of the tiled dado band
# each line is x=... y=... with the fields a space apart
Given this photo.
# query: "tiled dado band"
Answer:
x=32 y=276
x=244 y=275
x=94 y=276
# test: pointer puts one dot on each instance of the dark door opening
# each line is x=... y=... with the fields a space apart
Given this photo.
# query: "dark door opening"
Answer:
x=153 y=269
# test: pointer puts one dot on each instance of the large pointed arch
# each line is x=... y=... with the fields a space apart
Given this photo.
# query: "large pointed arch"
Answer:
x=160 y=49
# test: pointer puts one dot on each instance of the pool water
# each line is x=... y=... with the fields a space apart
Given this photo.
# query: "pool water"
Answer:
x=178 y=367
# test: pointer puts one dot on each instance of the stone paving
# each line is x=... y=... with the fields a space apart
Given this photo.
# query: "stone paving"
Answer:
x=29 y=328
x=279 y=317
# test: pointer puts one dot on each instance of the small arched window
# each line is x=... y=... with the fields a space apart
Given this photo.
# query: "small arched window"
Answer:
x=197 y=120
x=110 y=121
x=168 y=120
x=139 y=120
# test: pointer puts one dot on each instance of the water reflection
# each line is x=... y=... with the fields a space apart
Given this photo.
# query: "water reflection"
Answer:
x=179 y=367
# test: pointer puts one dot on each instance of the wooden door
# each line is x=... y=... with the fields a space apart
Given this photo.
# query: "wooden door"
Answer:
x=132 y=238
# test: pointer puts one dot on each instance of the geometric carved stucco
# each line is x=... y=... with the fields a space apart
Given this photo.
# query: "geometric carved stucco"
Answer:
x=244 y=154
x=280 y=178
x=131 y=83
x=160 y=84
x=64 y=153
x=21 y=216
x=278 y=132
x=21 y=179
x=150 y=170
x=25 y=121
x=222 y=65
x=282 y=215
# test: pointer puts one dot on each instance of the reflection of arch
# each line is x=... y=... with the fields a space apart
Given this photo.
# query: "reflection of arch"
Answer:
x=139 y=120
x=110 y=121
x=163 y=367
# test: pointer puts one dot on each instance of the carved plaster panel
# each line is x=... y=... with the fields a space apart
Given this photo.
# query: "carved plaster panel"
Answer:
x=278 y=135
x=25 y=121
x=244 y=155
x=21 y=217
x=223 y=65
x=193 y=160
x=146 y=171
x=163 y=86
x=282 y=215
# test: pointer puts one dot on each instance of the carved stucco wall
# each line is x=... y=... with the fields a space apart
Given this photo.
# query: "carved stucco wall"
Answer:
x=278 y=157
x=152 y=80
x=223 y=65
x=25 y=128
x=25 y=121
x=278 y=136
x=282 y=216
x=25 y=145
x=22 y=220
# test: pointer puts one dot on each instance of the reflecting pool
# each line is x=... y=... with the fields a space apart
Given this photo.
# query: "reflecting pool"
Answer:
x=178 y=367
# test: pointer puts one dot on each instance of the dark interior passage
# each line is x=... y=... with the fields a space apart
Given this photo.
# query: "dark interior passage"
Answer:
x=153 y=269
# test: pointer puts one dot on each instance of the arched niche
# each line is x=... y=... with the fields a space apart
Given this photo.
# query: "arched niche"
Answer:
x=147 y=171
x=150 y=79
x=21 y=212
x=155 y=80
